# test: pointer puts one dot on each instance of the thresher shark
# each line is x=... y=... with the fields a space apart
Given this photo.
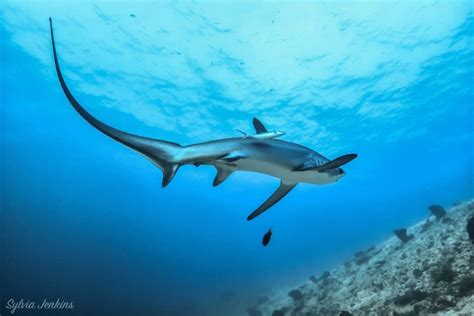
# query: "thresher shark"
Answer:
x=261 y=153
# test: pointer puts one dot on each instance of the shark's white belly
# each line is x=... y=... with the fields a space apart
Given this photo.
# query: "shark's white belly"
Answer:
x=282 y=172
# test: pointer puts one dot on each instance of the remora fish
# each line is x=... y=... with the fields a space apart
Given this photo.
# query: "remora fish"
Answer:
x=290 y=162
x=262 y=132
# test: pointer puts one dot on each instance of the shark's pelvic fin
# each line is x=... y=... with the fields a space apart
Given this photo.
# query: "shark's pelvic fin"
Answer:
x=336 y=162
x=280 y=193
x=259 y=127
x=221 y=175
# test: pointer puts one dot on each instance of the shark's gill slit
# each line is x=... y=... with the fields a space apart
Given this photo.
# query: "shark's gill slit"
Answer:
x=162 y=153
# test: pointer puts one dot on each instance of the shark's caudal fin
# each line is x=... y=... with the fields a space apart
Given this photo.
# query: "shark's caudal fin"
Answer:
x=162 y=153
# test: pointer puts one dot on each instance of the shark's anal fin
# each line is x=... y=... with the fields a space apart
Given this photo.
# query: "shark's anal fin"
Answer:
x=168 y=174
x=259 y=127
x=221 y=175
x=280 y=193
x=336 y=162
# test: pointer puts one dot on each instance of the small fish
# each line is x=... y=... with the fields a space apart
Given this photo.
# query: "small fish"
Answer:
x=266 y=237
x=132 y=15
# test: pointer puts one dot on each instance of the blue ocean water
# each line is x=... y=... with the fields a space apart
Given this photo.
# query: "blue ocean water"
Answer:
x=85 y=219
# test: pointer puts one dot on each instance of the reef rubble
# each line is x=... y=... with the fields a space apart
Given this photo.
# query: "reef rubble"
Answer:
x=432 y=274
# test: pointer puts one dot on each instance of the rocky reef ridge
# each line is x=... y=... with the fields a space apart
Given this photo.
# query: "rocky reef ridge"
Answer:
x=430 y=274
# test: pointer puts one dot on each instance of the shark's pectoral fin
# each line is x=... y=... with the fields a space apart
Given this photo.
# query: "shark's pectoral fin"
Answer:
x=169 y=171
x=280 y=193
x=259 y=127
x=222 y=174
x=336 y=162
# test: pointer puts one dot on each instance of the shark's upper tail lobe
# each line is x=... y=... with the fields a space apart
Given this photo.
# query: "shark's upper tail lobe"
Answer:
x=163 y=154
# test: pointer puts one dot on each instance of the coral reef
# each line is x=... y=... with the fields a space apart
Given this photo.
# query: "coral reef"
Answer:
x=433 y=274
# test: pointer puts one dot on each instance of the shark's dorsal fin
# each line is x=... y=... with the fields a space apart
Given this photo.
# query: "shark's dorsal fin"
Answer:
x=221 y=175
x=280 y=193
x=259 y=127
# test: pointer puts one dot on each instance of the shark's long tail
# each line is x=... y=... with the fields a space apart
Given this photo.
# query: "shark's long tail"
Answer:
x=163 y=154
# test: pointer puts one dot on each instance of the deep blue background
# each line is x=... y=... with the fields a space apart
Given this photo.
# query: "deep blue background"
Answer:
x=85 y=219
